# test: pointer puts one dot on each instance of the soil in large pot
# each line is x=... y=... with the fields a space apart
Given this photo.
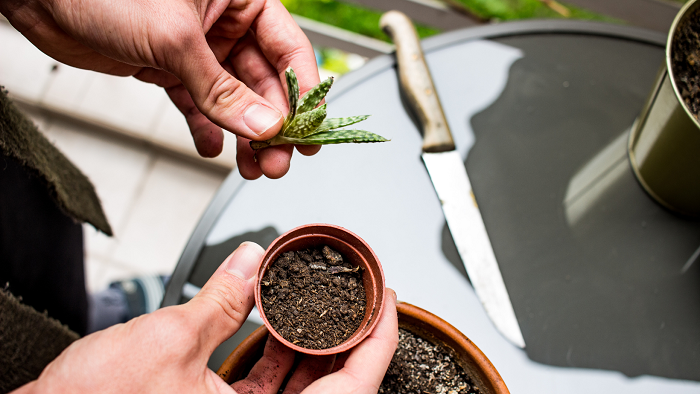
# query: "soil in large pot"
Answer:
x=419 y=366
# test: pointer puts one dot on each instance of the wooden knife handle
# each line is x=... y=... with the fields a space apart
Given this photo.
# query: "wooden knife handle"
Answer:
x=417 y=83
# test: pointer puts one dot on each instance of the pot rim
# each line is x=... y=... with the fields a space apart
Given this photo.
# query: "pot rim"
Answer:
x=491 y=382
x=367 y=258
x=687 y=8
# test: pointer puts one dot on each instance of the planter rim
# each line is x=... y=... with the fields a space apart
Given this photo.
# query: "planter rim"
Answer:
x=367 y=258
x=490 y=376
x=407 y=313
x=687 y=8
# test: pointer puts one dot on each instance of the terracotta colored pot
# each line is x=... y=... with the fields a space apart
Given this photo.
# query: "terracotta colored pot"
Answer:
x=411 y=318
x=469 y=356
x=354 y=250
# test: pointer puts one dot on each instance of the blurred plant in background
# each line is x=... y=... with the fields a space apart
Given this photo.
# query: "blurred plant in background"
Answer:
x=347 y=16
x=365 y=21
x=338 y=62
x=504 y=10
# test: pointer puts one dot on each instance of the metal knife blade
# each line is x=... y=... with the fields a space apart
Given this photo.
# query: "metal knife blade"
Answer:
x=450 y=179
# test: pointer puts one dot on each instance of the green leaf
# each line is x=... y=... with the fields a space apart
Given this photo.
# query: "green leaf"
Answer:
x=314 y=96
x=326 y=138
x=341 y=136
x=292 y=95
x=306 y=124
x=335 y=123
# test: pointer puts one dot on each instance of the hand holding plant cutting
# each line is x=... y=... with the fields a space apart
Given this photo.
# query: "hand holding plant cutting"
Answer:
x=221 y=62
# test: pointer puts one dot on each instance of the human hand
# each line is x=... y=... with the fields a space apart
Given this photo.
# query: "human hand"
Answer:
x=167 y=351
x=359 y=370
x=221 y=62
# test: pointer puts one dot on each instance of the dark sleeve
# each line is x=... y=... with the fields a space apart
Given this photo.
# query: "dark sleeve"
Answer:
x=29 y=341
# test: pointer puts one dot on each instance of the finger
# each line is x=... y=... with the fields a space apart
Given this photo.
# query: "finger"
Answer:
x=340 y=361
x=246 y=161
x=225 y=100
x=310 y=369
x=275 y=160
x=379 y=346
x=366 y=366
x=221 y=45
x=285 y=45
x=269 y=372
x=208 y=137
x=157 y=77
x=254 y=70
x=225 y=301
x=308 y=150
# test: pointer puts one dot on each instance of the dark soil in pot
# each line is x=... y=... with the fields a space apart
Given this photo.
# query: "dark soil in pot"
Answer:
x=428 y=328
x=419 y=366
x=685 y=61
x=313 y=297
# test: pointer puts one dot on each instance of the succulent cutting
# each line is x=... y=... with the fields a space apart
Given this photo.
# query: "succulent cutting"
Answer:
x=306 y=124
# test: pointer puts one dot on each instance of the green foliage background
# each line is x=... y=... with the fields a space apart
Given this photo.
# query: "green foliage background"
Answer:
x=525 y=9
x=366 y=21
x=346 y=16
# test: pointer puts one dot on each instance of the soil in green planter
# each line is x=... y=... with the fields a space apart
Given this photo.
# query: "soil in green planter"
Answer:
x=685 y=61
x=313 y=298
x=418 y=366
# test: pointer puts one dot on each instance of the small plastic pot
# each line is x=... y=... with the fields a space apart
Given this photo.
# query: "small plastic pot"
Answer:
x=355 y=251
x=414 y=319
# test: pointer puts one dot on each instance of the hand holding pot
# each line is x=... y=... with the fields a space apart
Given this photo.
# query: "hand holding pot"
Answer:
x=359 y=370
x=167 y=351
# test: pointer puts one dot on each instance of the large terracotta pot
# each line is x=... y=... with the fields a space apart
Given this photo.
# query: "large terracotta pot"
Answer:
x=355 y=250
x=411 y=318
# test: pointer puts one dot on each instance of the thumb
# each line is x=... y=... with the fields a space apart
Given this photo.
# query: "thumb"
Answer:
x=224 y=99
x=225 y=301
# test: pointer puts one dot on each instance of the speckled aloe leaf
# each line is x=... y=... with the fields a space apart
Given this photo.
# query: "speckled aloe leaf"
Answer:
x=341 y=137
x=325 y=138
x=335 y=123
x=314 y=96
x=306 y=123
x=292 y=96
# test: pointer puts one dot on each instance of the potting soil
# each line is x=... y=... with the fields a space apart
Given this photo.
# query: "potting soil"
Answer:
x=314 y=298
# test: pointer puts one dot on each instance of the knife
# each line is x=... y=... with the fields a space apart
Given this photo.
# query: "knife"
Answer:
x=449 y=177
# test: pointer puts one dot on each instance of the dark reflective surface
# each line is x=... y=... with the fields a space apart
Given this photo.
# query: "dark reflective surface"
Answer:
x=588 y=260
x=592 y=264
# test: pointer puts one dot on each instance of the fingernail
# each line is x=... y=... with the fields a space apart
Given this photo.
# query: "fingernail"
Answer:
x=244 y=261
x=260 y=118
